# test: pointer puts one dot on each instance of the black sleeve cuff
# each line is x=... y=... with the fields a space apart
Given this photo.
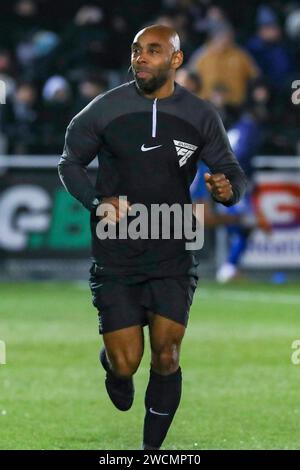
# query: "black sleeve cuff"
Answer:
x=88 y=200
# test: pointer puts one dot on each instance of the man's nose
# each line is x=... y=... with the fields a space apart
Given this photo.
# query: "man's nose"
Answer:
x=141 y=58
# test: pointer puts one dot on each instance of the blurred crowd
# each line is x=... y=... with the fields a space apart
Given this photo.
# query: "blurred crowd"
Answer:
x=55 y=57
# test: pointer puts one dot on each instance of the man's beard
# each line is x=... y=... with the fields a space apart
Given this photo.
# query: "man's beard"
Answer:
x=153 y=84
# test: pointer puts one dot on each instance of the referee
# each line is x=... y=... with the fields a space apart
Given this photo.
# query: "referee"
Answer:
x=148 y=136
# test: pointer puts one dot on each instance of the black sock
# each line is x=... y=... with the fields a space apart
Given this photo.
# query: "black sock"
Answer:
x=162 y=398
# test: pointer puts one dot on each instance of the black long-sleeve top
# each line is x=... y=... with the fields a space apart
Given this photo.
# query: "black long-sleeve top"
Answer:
x=147 y=150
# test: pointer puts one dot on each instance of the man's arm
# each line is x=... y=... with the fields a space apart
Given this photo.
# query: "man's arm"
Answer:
x=218 y=156
x=82 y=144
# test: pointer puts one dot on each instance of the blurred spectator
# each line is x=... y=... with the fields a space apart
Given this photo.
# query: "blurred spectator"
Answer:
x=56 y=113
x=268 y=49
x=32 y=52
x=87 y=41
x=26 y=21
x=214 y=16
x=88 y=89
x=190 y=80
x=292 y=23
x=246 y=137
x=219 y=98
x=7 y=72
x=223 y=63
x=119 y=46
x=20 y=121
x=180 y=22
x=248 y=133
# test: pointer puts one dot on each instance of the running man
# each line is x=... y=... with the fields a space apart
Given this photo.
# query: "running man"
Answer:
x=148 y=135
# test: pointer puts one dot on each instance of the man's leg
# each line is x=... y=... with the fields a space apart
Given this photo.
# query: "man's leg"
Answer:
x=120 y=358
x=121 y=318
x=164 y=388
x=124 y=350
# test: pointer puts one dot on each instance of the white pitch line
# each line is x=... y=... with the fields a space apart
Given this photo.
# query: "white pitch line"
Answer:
x=264 y=297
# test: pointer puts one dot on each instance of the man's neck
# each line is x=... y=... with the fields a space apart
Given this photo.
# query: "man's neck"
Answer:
x=163 y=92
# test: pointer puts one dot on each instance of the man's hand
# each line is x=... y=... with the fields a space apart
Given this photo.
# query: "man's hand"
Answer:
x=219 y=186
x=114 y=209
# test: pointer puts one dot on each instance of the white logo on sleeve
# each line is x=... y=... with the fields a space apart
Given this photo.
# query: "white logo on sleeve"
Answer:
x=184 y=151
x=145 y=149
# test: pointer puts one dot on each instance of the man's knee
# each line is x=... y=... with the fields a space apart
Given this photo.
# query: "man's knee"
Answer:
x=124 y=364
x=165 y=360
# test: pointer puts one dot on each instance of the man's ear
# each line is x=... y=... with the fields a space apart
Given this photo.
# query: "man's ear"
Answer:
x=177 y=59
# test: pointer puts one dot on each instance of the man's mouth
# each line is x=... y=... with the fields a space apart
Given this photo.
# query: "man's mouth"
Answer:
x=143 y=73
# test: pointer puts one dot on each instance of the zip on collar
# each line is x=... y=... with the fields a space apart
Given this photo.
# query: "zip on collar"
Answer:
x=154 y=118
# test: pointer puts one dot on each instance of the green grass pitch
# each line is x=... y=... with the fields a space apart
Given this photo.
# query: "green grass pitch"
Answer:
x=240 y=388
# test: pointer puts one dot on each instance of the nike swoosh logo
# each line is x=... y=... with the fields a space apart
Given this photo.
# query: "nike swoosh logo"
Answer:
x=145 y=149
x=156 y=413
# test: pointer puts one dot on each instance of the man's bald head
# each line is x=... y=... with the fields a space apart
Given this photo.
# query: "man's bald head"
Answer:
x=163 y=33
x=155 y=57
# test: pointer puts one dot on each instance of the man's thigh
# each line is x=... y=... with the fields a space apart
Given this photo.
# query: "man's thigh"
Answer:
x=119 y=305
x=125 y=346
x=169 y=302
x=170 y=298
x=164 y=334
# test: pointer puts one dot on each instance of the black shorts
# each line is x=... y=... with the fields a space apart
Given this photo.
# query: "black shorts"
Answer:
x=123 y=302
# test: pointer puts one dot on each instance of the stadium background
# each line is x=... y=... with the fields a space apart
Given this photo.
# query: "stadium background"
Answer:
x=53 y=61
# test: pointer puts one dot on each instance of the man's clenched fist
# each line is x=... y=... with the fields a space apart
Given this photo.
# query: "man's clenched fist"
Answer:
x=113 y=209
x=219 y=186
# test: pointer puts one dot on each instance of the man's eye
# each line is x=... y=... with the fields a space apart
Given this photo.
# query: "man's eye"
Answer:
x=153 y=51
